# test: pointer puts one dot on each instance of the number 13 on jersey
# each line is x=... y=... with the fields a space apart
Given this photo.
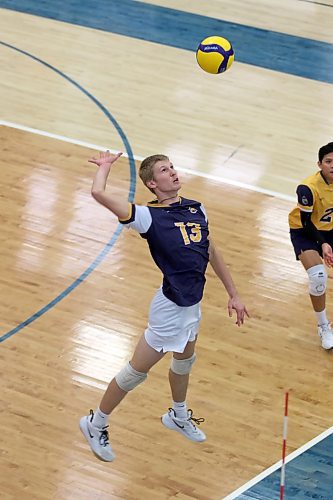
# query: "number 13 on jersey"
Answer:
x=190 y=231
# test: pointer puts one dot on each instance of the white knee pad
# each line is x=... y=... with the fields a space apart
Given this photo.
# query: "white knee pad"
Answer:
x=182 y=366
x=128 y=378
x=317 y=280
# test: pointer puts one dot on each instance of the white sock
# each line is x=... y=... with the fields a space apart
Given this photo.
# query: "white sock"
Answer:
x=100 y=419
x=180 y=409
x=321 y=317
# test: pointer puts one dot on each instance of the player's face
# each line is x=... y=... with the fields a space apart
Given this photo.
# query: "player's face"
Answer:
x=165 y=176
x=327 y=167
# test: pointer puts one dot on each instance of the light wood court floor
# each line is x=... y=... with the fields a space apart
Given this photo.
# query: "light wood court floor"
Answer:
x=250 y=125
x=57 y=367
x=255 y=126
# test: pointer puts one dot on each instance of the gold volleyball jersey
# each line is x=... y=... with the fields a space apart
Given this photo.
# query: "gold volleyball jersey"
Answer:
x=314 y=195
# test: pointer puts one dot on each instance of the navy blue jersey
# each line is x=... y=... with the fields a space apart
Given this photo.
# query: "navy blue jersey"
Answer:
x=177 y=236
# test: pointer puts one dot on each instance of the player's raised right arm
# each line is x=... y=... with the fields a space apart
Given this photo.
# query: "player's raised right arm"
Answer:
x=117 y=205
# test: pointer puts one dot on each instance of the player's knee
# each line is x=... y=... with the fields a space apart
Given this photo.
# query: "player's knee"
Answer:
x=182 y=366
x=317 y=280
x=128 y=378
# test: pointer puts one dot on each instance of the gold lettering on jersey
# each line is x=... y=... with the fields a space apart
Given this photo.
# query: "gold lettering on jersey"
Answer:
x=194 y=232
x=182 y=228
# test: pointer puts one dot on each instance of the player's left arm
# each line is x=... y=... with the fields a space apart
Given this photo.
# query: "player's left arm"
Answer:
x=222 y=272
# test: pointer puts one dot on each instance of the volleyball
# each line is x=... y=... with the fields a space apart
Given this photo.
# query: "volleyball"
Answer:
x=215 y=54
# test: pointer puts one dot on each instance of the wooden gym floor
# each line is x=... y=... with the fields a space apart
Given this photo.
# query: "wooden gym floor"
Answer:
x=76 y=287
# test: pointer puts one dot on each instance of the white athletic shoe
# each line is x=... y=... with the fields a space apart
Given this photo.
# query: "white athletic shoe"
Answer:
x=326 y=335
x=98 y=439
x=186 y=427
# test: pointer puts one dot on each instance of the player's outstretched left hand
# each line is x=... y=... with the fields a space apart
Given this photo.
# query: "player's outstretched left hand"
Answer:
x=236 y=304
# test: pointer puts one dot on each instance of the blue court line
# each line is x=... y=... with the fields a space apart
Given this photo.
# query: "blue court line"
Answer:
x=119 y=228
x=317 y=3
x=307 y=476
x=69 y=289
x=259 y=47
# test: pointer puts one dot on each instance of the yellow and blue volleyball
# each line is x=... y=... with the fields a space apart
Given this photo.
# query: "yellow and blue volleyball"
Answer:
x=215 y=54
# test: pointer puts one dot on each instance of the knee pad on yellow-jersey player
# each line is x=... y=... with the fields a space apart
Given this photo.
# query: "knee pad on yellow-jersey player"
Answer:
x=317 y=280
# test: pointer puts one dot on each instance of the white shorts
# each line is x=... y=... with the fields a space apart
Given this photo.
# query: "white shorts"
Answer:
x=171 y=327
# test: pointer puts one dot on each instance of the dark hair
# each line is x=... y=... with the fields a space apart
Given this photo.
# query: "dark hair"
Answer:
x=325 y=150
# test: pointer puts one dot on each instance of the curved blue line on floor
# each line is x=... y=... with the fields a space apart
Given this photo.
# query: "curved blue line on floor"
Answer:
x=119 y=228
x=291 y=54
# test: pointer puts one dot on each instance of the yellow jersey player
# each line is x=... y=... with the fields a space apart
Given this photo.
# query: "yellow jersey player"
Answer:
x=311 y=233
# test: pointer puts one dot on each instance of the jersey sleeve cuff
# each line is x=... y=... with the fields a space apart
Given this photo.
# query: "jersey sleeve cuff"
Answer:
x=131 y=215
x=305 y=209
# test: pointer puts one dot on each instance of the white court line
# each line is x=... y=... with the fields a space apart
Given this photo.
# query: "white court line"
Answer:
x=257 y=189
x=216 y=178
x=276 y=466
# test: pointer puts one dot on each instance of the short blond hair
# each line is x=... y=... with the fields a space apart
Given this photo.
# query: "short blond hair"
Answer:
x=146 y=171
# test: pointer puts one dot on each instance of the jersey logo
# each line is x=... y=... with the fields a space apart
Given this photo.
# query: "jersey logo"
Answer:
x=192 y=210
x=305 y=201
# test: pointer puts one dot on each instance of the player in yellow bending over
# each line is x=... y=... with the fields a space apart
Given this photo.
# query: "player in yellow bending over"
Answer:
x=311 y=233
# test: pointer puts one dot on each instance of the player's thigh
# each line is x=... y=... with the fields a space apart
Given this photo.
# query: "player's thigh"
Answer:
x=310 y=258
x=188 y=351
x=144 y=356
x=302 y=243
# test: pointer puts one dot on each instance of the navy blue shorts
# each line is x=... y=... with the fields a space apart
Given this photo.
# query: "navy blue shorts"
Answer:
x=301 y=241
